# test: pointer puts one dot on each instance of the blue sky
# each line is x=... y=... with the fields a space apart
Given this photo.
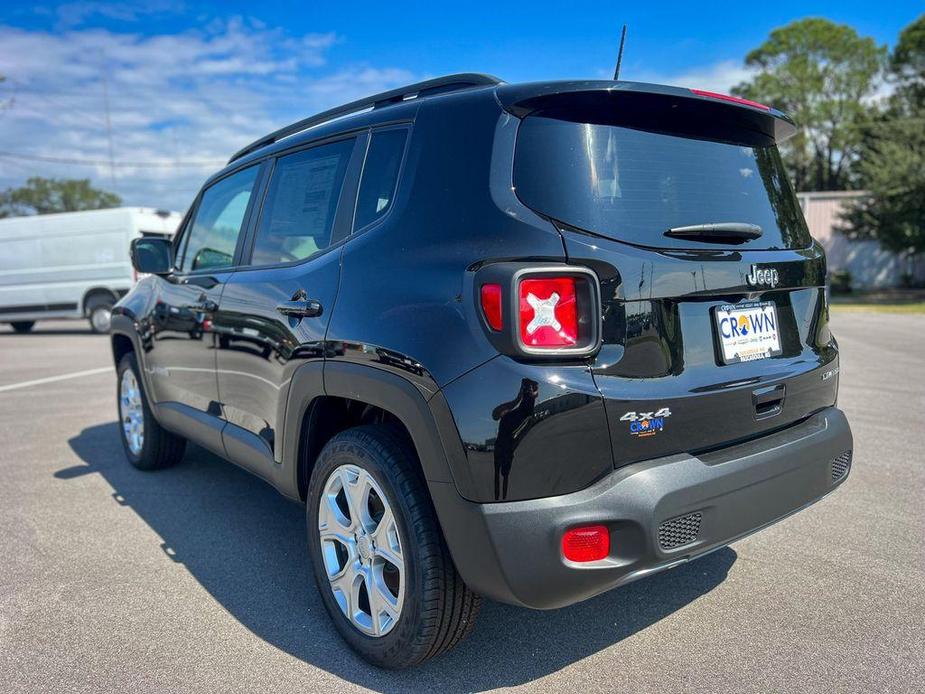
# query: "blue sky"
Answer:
x=188 y=83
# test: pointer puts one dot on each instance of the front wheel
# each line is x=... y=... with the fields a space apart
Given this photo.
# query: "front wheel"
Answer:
x=148 y=446
x=380 y=561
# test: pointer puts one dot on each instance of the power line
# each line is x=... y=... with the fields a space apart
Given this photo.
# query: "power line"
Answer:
x=106 y=162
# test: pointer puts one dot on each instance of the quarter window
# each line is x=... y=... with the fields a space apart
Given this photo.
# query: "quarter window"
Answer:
x=219 y=218
x=298 y=216
x=380 y=174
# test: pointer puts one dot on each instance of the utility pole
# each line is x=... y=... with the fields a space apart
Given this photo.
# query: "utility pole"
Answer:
x=112 y=159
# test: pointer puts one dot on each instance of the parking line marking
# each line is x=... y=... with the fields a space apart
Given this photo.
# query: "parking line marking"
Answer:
x=52 y=379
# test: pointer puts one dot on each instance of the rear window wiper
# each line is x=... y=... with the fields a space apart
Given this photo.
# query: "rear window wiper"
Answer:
x=718 y=232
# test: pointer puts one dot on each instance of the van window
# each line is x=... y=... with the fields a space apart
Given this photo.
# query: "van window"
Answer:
x=298 y=216
x=633 y=185
x=215 y=229
x=380 y=174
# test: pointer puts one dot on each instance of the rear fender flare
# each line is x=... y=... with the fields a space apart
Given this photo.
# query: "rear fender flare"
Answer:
x=425 y=421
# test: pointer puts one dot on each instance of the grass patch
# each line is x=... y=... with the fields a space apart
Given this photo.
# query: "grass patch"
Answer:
x=855 y=306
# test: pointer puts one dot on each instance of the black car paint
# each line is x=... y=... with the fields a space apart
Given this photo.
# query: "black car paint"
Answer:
x=399 y=327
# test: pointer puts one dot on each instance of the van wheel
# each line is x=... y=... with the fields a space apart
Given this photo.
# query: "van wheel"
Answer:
x=380 y=561
x=22 y=326
x=99 y=312
x=147 y=445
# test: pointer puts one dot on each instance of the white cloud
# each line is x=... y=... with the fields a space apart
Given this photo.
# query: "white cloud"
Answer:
x=191 y=96
x=718 y=77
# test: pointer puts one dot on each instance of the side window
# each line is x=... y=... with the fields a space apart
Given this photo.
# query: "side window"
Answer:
x=298 y=215
x=380 y=174
x=218 y=221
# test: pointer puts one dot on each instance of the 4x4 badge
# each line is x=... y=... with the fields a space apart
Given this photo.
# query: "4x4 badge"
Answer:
x=645 y=424
x=763 y=276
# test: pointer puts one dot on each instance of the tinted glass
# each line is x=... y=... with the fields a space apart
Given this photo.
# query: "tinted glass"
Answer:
x=298 y=215
x=634 y=185
x=218 y=221
x=380 y=174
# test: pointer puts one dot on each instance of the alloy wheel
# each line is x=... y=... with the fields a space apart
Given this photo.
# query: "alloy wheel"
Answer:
x=361 y=550
x=131 y=412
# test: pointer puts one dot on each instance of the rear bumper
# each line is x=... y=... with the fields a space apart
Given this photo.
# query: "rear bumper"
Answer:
x=511 y=551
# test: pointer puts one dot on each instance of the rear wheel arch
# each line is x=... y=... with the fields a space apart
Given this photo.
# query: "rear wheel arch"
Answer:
x=324 y=401
x=328 y=415
x=121 y=345
x=123 y=339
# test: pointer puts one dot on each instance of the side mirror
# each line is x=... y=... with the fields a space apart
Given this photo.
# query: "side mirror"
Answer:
x=152 y=255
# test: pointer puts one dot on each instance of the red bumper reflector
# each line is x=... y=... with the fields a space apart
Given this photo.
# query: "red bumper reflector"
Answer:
x=588 y=543
x=491 y=305
x=733 y=99
x=548 y=312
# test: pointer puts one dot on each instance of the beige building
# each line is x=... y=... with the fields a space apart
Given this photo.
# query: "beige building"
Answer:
x=871 y=266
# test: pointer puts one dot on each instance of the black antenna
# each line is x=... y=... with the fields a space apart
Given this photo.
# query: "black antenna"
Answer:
x=616 y=73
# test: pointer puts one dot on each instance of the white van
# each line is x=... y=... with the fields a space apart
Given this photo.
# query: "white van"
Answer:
x=72 y=264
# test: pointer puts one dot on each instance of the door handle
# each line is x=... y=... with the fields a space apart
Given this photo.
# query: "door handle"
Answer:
x=300 y=308
x=206 y=304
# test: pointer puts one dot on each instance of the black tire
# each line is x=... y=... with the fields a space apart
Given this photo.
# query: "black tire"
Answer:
x=22 y=326
x=99 y=312
x=160 y=448
x=439 y=610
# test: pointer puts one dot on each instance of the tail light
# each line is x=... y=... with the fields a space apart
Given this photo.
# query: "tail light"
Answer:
x=557 y=311
x=546 y=311
x=587 y=543
x=491 y=305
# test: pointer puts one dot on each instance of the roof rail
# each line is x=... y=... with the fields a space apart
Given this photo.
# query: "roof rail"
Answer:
x=437 y=85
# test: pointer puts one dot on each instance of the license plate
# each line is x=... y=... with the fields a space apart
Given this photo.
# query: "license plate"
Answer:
x=747 y=331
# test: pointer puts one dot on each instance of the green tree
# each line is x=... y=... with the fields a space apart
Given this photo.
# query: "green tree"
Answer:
x=892 y=167
x=908 y=63
x=821 y=74
x=47 y=195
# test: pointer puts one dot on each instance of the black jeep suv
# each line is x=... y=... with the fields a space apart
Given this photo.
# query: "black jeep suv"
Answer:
x=529 y=342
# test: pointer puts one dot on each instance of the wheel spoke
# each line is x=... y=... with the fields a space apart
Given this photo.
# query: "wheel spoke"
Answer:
x=385 y=535
x=346 y=590
x=330 y=517
x=350 y=483
x=382 y=603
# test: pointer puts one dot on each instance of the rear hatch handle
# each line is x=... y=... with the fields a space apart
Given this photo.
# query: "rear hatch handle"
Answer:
x=768 y=401
x=717 y=232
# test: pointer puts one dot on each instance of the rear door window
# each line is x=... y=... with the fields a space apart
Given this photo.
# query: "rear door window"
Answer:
x=633 y=185
x=380 y=176
x=219 y=218
x=301 y=203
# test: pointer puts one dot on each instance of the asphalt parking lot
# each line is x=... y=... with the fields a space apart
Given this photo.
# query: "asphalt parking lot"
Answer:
x=195 y=579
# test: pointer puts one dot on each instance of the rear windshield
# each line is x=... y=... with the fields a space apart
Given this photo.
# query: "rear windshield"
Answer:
x=633 y=185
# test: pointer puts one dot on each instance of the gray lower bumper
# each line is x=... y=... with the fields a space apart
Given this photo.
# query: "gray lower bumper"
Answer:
x=511 y=551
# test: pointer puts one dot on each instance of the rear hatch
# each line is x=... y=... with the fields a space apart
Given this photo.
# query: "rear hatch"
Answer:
x=715 y=326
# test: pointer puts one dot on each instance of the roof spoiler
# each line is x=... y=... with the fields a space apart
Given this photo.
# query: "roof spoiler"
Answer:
x=648 y=100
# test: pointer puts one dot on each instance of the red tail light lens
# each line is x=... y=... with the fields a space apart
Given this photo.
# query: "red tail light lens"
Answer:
x=588 y=543
x=548 y=312
x=732 y=99
x=491 y=305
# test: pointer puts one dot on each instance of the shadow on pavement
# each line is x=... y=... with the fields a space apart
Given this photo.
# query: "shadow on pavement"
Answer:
x=244 y=543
